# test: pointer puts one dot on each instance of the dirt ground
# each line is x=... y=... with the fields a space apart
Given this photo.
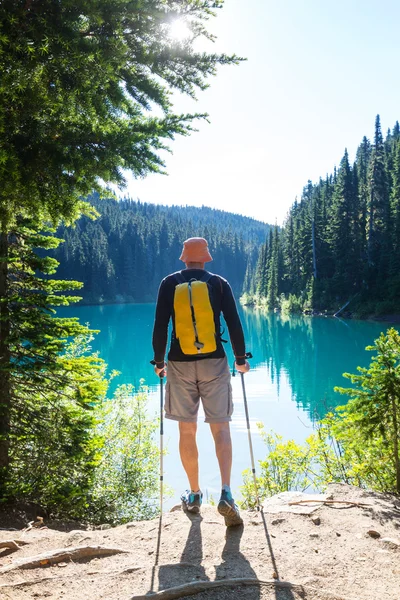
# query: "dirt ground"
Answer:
x=340 y=551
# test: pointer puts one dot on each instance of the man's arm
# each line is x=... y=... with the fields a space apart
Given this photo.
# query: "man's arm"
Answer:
x=231 y=316
x=160 y=329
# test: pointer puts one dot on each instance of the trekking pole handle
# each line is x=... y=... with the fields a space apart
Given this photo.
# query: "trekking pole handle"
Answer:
x=248 y=355
x=162 y=373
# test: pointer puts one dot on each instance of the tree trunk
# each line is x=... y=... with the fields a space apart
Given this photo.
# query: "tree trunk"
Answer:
x=5 y=387
x=396 y=442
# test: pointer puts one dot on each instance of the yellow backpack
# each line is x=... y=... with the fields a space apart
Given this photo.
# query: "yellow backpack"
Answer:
x=194 y=316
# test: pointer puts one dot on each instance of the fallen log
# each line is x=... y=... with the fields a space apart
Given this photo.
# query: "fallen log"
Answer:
x=196 y=587
x=13 y=544
x=329 y=502
x=60 y=555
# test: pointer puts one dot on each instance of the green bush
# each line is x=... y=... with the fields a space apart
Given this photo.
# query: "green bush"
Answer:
x=357 y=444
x=54 y=447
x=125 y=483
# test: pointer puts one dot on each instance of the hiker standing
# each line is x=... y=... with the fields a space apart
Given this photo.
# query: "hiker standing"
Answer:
x=197 y=365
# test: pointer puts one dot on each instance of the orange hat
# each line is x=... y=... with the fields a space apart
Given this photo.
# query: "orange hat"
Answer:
x=195 y=250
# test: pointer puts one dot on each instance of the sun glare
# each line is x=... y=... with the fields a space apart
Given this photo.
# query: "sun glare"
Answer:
x=179 y=31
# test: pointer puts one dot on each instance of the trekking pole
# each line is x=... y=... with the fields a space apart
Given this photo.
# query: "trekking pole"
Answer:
x=161 y=375
x=161 y=439
x=253 y=469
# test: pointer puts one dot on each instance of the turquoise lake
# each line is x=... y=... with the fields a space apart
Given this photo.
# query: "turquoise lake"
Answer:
x=297 y=362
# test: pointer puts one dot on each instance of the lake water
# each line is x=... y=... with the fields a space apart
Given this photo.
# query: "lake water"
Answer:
x=297 y=362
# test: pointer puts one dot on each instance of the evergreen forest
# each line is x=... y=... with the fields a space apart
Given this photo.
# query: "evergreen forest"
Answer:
x=340 y=243
x=123 y=255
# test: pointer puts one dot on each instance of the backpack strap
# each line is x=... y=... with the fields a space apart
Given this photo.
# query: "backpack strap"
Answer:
x=180 y=278
x=206 y=277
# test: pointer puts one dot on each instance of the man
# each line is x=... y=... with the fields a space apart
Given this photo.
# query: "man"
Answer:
x=196 y=375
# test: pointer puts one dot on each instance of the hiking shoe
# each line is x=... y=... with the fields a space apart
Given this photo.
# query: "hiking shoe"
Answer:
x=191 y=501
x=228 y=509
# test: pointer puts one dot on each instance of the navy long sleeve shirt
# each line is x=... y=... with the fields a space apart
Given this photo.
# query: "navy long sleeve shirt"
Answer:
x=223 y=302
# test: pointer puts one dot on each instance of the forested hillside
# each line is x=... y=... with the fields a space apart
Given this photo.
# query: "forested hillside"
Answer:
x=341 y=240
x=123 y=255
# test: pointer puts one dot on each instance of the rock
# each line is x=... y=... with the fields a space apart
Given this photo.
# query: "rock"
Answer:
x=311 y=581
x=76 y=536
x=374 y=534
x=281 y=503
x=176 y=507
x=338 y=534
x=391 y=543
x=77 y=532
x=314 y=535
x=316 y=520
x=277 y=521
x=104 y=526
x=130 y=525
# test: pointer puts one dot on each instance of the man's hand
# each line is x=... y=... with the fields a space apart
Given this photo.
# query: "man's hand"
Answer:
x=159 y=370
x=242 y=368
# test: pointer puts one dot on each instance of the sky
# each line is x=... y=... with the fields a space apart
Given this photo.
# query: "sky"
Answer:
x=317 y=73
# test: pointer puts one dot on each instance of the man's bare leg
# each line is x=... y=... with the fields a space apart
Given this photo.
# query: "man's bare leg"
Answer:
x=223 y=448
x=189 y=453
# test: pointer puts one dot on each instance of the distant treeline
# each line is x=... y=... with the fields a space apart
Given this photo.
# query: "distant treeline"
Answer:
x=123 y=255
x=341 y=241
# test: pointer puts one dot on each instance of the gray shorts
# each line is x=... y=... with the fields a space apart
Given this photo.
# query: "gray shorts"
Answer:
x=187 y=382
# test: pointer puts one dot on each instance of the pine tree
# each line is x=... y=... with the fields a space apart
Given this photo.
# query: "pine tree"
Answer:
x=78 y=83
x=395 y=215
x=379 y=215
x=358 y=231
x=287 y=254
x=375 y=398
x=340 y=226
x=46 y=384
x=273 y=271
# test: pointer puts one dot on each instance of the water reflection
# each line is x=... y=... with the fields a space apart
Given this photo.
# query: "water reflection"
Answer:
x=312 y=352
x=308 y=354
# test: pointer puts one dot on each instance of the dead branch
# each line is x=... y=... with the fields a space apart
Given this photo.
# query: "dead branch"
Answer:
x=86 y=577
x=61 y=555
x=196 y=587
x=28 y=582
x=329 y=502
x=189 y=589
x=38 y=523
x=13 y=544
